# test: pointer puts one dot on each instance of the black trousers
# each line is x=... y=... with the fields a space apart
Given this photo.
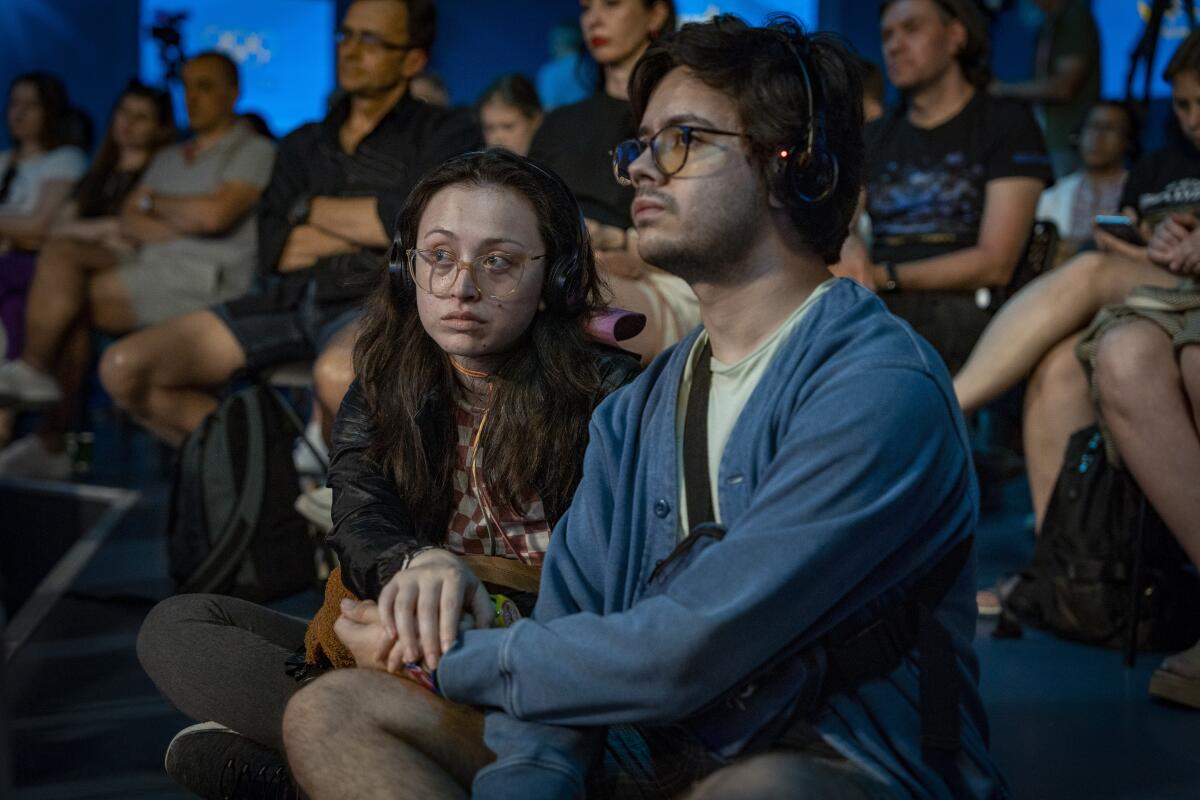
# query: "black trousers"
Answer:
x=223 y=659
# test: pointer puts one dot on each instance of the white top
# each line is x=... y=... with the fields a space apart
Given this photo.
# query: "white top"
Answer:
x=64 y=163
x=731 y=387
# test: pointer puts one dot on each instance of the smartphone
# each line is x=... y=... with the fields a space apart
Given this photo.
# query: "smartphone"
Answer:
x=1121 y=227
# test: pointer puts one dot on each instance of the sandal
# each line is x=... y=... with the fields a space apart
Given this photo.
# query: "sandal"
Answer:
x=1178 y=679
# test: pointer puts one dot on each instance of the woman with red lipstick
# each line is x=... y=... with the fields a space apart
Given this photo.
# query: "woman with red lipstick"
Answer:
x=577 y=140
x=454 y=453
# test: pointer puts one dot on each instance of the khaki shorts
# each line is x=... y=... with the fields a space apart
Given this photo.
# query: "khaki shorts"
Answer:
x=160 y=290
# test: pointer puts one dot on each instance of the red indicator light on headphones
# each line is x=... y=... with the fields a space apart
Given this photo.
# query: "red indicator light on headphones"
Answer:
x=783 y=153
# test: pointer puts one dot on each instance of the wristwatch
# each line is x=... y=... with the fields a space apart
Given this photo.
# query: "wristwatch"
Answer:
x=298 y=213
x=892 y=284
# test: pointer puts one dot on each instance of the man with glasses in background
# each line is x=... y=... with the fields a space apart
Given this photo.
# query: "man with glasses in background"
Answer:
x=324 y=224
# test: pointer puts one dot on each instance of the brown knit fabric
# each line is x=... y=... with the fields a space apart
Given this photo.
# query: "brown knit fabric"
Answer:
x=321 y=644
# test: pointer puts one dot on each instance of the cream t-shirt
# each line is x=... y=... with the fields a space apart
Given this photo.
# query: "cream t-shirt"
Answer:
x=732 y=385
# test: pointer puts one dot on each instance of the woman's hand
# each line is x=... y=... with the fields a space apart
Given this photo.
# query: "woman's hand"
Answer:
x=1176 y=244
x=421 y=607
x=855 y=263
x=1111 y=244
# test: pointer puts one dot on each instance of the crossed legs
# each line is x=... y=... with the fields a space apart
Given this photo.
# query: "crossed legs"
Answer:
x=364 y=733
x=165 y=375
x=1043 y=314
x=76 y=289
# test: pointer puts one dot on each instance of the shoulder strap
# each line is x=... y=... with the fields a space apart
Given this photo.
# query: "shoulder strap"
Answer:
x=234 y=538
x=860 y=652
x=695 y=444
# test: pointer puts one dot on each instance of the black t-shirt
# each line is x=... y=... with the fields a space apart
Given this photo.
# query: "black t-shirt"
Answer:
x=926 y=188
x=1164 y=182
x=409 y=141
x=576 y=141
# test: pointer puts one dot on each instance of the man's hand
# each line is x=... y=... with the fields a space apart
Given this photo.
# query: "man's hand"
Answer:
x=306 y=244
x=359 y=629
x=422 y=606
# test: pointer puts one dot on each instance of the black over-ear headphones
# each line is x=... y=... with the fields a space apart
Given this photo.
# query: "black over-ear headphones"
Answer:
x=805 y=171
x=564 y=276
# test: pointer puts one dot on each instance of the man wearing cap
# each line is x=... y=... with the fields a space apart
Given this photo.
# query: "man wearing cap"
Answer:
x=952 y=178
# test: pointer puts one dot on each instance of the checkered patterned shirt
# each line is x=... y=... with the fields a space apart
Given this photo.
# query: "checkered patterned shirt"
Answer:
x=490 y=531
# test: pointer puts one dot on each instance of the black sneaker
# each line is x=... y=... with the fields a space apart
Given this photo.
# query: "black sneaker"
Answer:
x=218 y=763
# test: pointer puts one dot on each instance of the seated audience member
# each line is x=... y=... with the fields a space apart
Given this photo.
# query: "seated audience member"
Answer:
x=190 y=221
x=509 y=113
x=563 y=79
x=1066 y=77
x=322 y=230
x=783 y=478
x=1144 y=358
x=1041 y=325
x=36 y=177
x=463 y=436
x=1106 y=140
x=952 y=178
x=576 y=141
x=142 y=121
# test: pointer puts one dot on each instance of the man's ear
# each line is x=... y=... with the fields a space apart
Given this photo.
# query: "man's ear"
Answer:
x=414 y=63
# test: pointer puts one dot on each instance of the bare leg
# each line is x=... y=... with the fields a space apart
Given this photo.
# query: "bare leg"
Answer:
x=164 y=375
x=1057 y=403
x=59 y=296
x=333 y=372
x=1144 y=402
x=1045 y=312
x=111 y=311
x=794 y=776
x=363 y=733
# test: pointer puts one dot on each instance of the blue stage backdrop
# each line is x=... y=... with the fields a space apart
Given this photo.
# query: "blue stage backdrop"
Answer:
x=1122 y=23
x=283 y=48
x=753 y=11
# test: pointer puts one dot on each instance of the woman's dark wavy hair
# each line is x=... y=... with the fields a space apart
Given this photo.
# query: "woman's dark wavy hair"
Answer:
x=542 y=395
x=757 y=68
x=52 y=94
x=91 y=185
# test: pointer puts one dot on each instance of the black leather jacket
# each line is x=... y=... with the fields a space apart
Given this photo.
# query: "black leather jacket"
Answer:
x=372 y=532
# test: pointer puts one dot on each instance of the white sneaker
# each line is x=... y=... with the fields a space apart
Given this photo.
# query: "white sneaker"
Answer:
x=22 y=385
x=316 y=506
x=28 y=457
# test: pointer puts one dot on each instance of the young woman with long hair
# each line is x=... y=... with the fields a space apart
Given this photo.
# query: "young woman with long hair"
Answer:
x=87 y=223
x=456 y=450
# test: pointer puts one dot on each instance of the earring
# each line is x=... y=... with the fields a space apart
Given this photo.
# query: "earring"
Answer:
x=541 y=305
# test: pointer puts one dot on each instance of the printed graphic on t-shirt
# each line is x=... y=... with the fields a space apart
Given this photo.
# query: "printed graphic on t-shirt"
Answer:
x=1177 y=196
x=927 y=202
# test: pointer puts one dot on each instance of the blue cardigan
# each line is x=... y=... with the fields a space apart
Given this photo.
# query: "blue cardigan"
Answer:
x=847 y=475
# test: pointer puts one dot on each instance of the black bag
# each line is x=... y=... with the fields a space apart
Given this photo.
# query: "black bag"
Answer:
x=1080 y=582
x=231 y=525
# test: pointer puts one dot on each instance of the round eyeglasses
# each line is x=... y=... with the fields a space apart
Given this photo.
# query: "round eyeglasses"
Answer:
x=669 y=148
x=496 y=274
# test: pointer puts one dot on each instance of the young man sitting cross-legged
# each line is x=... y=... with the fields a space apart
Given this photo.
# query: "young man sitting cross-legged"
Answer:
x=764 y=578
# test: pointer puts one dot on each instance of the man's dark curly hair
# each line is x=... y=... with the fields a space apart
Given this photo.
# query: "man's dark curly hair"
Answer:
x=757 y=67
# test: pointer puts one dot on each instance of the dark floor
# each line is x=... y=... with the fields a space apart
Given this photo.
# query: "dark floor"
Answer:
x=1068 y=721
